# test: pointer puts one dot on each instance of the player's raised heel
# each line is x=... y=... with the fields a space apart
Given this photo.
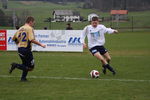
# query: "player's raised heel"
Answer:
x=13 y=66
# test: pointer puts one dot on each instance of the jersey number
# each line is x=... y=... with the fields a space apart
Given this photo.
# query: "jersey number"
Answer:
x=24 y=37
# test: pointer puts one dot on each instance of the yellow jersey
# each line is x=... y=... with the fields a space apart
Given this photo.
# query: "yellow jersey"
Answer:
x=24 y=36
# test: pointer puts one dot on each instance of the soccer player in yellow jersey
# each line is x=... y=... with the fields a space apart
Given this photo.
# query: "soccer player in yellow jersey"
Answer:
x=24 y=38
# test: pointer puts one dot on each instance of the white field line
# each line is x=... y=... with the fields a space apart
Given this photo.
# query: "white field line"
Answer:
x=71 y=78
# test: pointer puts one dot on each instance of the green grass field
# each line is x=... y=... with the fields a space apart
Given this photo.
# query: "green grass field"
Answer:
x=65 y=76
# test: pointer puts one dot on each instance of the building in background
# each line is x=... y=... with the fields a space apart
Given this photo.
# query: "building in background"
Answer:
x=119 y=15
x=66 y=16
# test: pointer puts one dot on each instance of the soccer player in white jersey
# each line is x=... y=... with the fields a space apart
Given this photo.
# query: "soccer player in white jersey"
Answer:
x=96 y=39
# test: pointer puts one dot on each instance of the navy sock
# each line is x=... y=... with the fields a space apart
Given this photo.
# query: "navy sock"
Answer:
x=24 y=74
x=21 y=66
x=109 y=67
x=104 y=67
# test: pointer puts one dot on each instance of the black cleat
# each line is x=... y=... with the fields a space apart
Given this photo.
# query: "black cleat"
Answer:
x=104 y=70
x=13 y=66
x=114 y=73
x=23 y=80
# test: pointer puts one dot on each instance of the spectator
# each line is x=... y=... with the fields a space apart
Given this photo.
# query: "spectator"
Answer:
x=69 y=27
x=17 y=27
x=45 y=28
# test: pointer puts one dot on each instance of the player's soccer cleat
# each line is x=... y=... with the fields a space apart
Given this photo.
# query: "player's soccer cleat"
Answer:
x=23 y=80
x=104 y=70
x=114 y=73
x=13 y=66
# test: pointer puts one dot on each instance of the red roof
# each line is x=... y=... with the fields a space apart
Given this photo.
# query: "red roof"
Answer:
x=121 y=12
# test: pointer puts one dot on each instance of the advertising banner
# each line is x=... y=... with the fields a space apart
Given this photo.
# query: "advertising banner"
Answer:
x=3 y=37
x=55 y=40
x=11 y=46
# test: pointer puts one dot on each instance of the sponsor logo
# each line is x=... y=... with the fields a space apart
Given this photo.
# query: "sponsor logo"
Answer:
x=10 y=41
x=75 y=41
x=3 y=45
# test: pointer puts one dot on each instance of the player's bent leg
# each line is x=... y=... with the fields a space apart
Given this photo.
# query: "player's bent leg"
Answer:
x=101 y=58
x=110 y=68
x=25 y=73
x=105 y=63
x=23 y=58
x=29 y=62
x=13 y=66
x=107 y=57
x=18 y=66
x=21 y=67
x=31 y=68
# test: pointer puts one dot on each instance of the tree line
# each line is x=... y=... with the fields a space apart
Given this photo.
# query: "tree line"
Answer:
x=131 y=5
x=107 y=5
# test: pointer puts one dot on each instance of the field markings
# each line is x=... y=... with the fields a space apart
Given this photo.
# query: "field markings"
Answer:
x=71 y=78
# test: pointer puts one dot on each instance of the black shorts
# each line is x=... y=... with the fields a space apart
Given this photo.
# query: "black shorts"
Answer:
x=101 y=49
x=26 y=57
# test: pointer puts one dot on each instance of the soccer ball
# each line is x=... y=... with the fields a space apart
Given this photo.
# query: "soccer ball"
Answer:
x=94 y=74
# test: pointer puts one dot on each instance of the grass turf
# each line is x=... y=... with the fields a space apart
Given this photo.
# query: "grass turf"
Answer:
x=130 y=56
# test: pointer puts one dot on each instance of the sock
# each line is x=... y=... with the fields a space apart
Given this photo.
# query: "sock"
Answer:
x=21 y=66
x=104 y=67
x=109 y=67
x=24 y=74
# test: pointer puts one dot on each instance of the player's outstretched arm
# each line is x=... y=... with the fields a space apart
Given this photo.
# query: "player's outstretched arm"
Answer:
x=116 y=31
x=38 y=43
x=110 y=30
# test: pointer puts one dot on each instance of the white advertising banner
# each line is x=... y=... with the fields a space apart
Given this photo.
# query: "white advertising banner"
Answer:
x=11 y=46
x=55 y=40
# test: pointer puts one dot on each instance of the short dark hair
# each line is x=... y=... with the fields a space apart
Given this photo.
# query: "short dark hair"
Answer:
x=30 y=18
x=95 y=18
